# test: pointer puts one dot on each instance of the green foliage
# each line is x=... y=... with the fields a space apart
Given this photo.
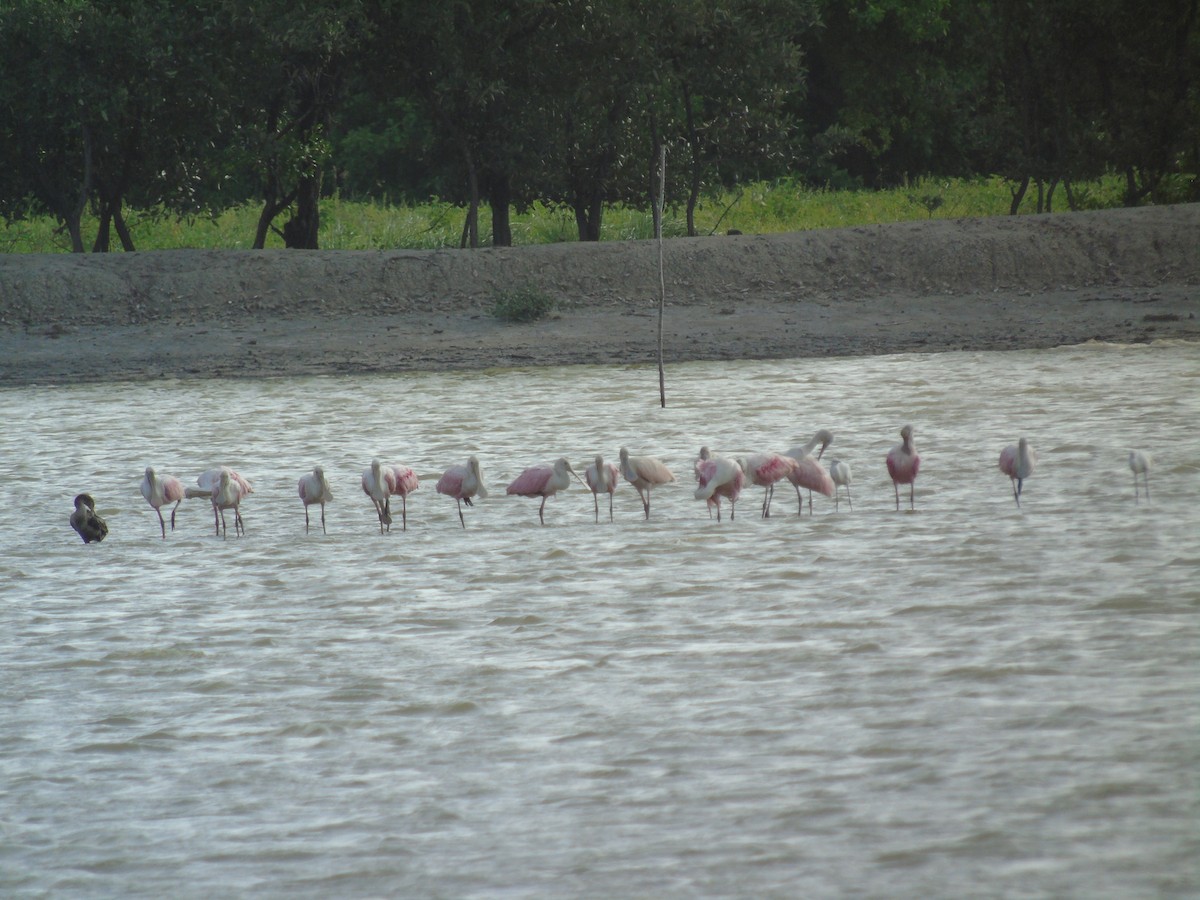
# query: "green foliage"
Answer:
x=522 y=305
x=760 y=208
x=546 y=117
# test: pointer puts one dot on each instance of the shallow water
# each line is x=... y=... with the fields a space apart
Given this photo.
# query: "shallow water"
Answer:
x=965 y=700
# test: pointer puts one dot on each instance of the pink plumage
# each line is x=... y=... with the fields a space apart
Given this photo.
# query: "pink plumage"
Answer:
x=812 y=476
x=903 y=464
x=451 y=481
x=1018 y=461
x=462 y=483
x=401 y=480
x=380 y=482
x=764 y=469
x=544 y=482
x=719 y=478
x=532 y=482
x=160 y=490
x=211 y=480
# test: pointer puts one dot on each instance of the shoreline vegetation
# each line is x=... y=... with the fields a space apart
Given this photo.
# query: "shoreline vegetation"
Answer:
x=783 y=205
x=976 y=283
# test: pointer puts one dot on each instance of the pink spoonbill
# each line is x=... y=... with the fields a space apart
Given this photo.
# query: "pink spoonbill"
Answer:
x=809 y=473
x=719 y=477
x=704 y=456
x=644 y=472
x=602 y=478
x=159 y=491
x=462 y=483
x=383 y=481
x=313 y=488
x=764 y=469
x=1018 y=461
x=903 y=463
x=225 y=488
x=543 y=481
x=1139 y=463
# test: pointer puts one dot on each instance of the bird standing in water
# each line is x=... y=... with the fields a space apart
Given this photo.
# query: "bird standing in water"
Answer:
x=1018 y=461
x=383 y=480
x=462 y=483
x=718 y=477
x=159 y=491
x=602 y=478
x=1139 y=462
x=809 y=473
x=544 y=482
x=839 y=471
x=903 y=463
x=644 y=472
x=84 y=520
x=764 y=469
x=313 y=488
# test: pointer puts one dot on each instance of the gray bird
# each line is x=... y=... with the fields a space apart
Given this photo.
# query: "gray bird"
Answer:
x=84 y=520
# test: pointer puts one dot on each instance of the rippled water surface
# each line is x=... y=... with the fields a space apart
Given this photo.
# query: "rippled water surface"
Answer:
x=966 y=700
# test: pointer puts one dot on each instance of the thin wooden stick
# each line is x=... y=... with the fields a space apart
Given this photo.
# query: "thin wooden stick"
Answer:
x=662 y=278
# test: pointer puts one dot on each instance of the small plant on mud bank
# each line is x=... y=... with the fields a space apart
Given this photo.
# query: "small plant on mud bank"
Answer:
x=522 y=305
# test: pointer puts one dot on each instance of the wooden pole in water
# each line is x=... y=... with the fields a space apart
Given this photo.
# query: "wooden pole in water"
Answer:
x=662 y=278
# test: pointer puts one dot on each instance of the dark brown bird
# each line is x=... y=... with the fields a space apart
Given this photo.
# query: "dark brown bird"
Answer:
x=84 y=520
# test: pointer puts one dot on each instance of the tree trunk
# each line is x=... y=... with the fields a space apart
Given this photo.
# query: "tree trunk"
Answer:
x=301 y=232
x=100 y=245
x=470 y=235
x=588 y=213
x=694 y=180
x=500 y=196
x=1017 y=196
x=123 y=231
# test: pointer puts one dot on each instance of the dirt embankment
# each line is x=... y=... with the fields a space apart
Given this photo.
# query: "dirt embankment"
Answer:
x=1120 y=275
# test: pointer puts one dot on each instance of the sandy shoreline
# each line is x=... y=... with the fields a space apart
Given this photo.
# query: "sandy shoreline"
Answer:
x=1124 y=276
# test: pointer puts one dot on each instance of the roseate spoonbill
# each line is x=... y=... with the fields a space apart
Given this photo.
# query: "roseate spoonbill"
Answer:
x=228 y=494
x=381 y=482
x=903 y=463
x=225 y=489
x=704 y=456
x=809 y=473
x=159 y=491
x=764 y=469
x=719 y=477
x=839 y=471
x=602 y=478
x=313 y=488
x=84 y=520
x=1018 y=461
x=543 y=481
x=823 y=437
x=644 y=472
x=1139 y=462
x=462 y=483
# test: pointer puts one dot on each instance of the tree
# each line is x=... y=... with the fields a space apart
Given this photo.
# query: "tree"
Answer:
x=293 y=57
x=50 y=102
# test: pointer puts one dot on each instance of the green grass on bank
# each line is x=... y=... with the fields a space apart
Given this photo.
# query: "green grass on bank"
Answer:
x=761 y=208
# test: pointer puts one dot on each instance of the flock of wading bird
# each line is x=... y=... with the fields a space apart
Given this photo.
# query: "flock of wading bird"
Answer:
x=717 y=478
